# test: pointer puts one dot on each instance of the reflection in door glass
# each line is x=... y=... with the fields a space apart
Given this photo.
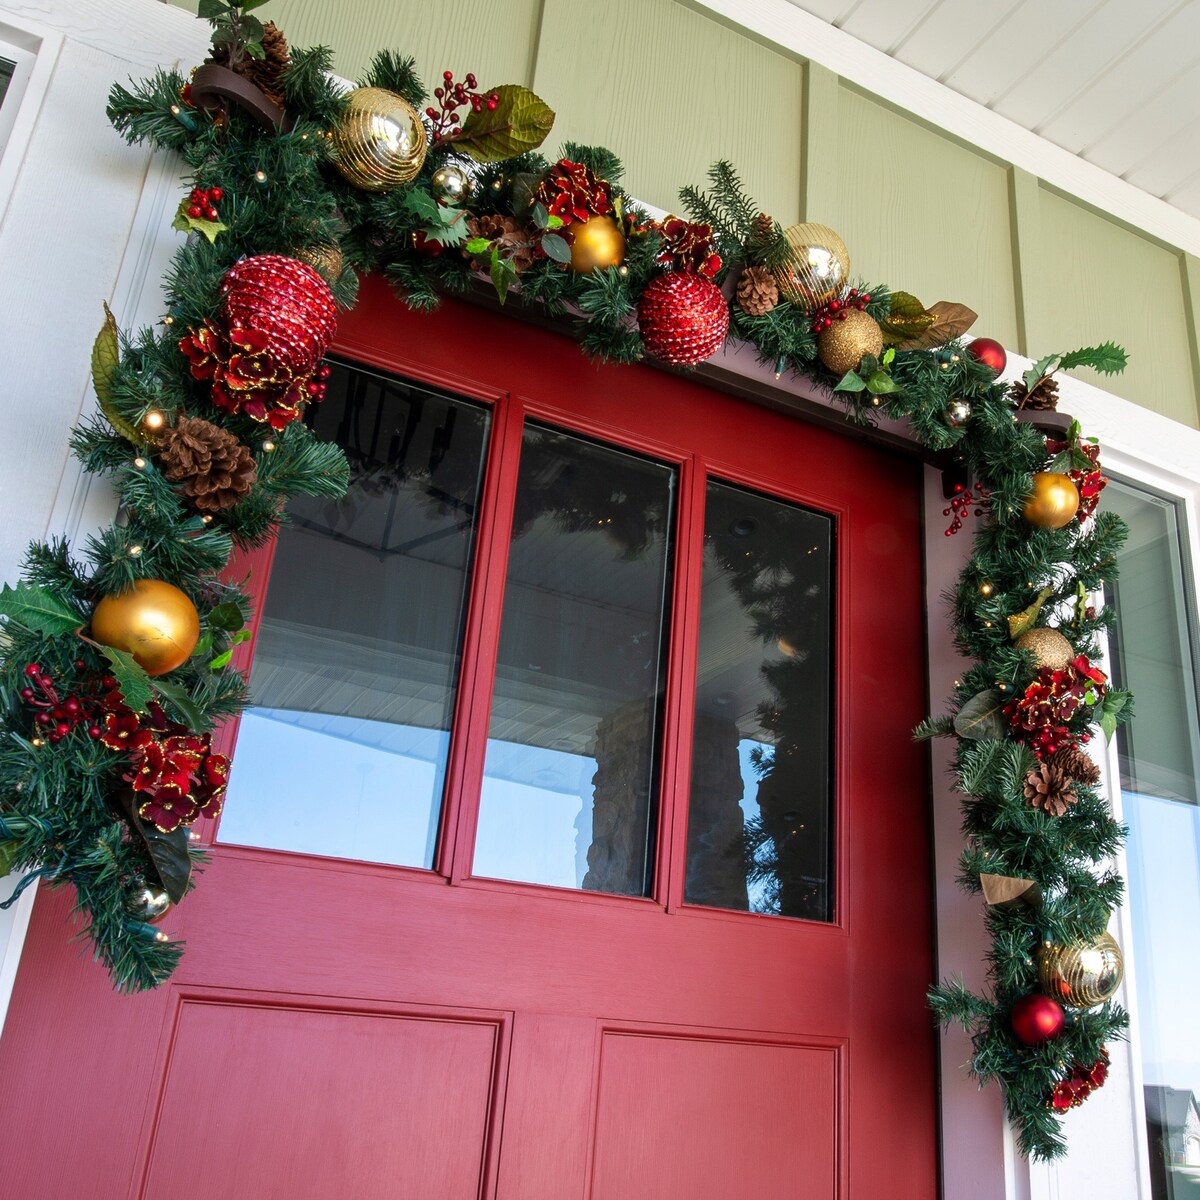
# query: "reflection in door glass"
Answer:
x=356 y=664
x=569 y=777
x=759 y=821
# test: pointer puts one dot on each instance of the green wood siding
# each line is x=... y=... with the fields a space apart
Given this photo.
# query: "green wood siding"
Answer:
x=671 y=90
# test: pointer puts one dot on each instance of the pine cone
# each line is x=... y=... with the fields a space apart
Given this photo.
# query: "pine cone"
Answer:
x=263 y=72
x=1043 y=397
x=757 y=291
x=215 y=469
x=514 y=239
x=763 y=228
x=1074 y=763
x=1049 y=789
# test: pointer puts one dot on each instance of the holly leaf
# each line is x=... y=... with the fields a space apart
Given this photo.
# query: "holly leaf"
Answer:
x=519 y=122
x=555 y=246
x=1115 y=702
x=419 y=203
x=39 y=610
x=982 y=717
x=132 y=679
x=187 y=224
x=880 y=383
x=105 y=360
x=478 y=246
x=1108 y=359
x=183 y=704
x=451 y=227
x=1038 y=369
x=168 y=852
x=851 y=382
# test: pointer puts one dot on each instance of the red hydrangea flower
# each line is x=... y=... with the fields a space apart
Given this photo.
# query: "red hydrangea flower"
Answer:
x=689 y=247
x=1041 y=715
x=180 y=780
x=571 y=192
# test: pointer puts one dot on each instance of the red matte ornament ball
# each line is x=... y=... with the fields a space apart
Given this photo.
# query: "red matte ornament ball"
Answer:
x=989 y=352
x=683 y=318
x=1036 y=1019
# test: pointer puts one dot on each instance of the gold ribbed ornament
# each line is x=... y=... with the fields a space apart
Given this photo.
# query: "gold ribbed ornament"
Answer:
x=818 y=268
x=1082 y=974
x=379 y=140
x=842 y=346
x=1049 y=647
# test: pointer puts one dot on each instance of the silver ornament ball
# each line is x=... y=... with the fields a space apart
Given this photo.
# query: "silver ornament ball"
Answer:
x=450 y=184
x=958 y=412
x=148 y=904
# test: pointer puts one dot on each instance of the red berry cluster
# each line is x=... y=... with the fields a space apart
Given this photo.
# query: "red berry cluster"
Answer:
x=57 y=717
x=1080 y=1084
x=202 y=203
x=451 y=97
x=836 y=310
x=316 y=385
x=960 y=505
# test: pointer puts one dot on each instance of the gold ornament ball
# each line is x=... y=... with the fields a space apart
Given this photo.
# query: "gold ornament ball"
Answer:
x=598 y=243
x=379 y=141
x=818 y=267
x=1053 y=502
x=326 y=260
x=842 y=346
x=148 y=904
x=154 y=621
x=1050 y=648
x=1082 y=974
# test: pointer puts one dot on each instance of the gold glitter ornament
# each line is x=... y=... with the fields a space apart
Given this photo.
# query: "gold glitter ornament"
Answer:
x=1082 y=974
x=379 y=141
x=841 y=347
x=326 y=260
x=1050 y=648
x=598 y=243
x=818 y=267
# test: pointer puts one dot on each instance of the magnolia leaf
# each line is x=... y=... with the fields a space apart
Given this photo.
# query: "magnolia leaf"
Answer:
x=504 y=275
x=851 y=382
x=880 y=383
x=8 y=855
x=1025 y=620
x=982 y=717
x=168 y=852
x=105 y=360
x=950 y=320
x=132 y=680
x=227 y=616
x=519 y=122
x=38 y=610
x=181 y=702
x=1038 y=369
x=187 y=224
x=906 y=318
x=1114 y=702
x=555 y=246
x=1108 y=359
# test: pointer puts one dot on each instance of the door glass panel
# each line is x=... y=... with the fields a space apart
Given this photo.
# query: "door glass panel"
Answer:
x=1155 y=654
x=759 y=818
x=569 y=790
x=357 y=661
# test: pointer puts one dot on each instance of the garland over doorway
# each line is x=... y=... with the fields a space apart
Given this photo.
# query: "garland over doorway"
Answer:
x=116 y=656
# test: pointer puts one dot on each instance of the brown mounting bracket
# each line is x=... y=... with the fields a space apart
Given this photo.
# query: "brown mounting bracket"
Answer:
x=214 y=86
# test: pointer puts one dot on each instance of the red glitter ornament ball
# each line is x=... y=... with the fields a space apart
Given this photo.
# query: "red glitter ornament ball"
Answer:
x=1036 y=1019
x=286 y=304
x=989 y=352
x=683 y=318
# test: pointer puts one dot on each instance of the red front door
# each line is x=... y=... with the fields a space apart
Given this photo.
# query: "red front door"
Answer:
x=579 y=848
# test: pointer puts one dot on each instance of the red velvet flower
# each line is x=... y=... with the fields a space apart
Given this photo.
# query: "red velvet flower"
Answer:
x=689 y=247
x=1063 y=1097
x=203 y=348
x=1041 y=715
x=181 y=780
x=571 y=192
x=123 y=732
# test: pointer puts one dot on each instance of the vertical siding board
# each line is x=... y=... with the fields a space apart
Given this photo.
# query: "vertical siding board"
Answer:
x=1111 y=282
x=1028 y=280
x=1189 y=269
x=922 y=212
x=820 y=176
x=672 y=91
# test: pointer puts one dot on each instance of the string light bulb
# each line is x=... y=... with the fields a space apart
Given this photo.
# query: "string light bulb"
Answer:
x=154 y=420
x=986 y=589
x=134 y=551
x=260 y=177
x=268 y=445
x=140 y=463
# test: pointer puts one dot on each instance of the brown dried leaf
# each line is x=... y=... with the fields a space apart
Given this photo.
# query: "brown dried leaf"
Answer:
x=950 y=320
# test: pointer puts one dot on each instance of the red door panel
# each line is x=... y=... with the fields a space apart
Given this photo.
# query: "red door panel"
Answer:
x=456 y=1036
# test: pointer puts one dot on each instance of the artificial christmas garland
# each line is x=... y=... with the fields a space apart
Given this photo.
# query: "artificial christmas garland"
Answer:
x=116 y=667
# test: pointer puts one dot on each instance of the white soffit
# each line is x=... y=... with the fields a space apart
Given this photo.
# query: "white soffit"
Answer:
x=1099 y=98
